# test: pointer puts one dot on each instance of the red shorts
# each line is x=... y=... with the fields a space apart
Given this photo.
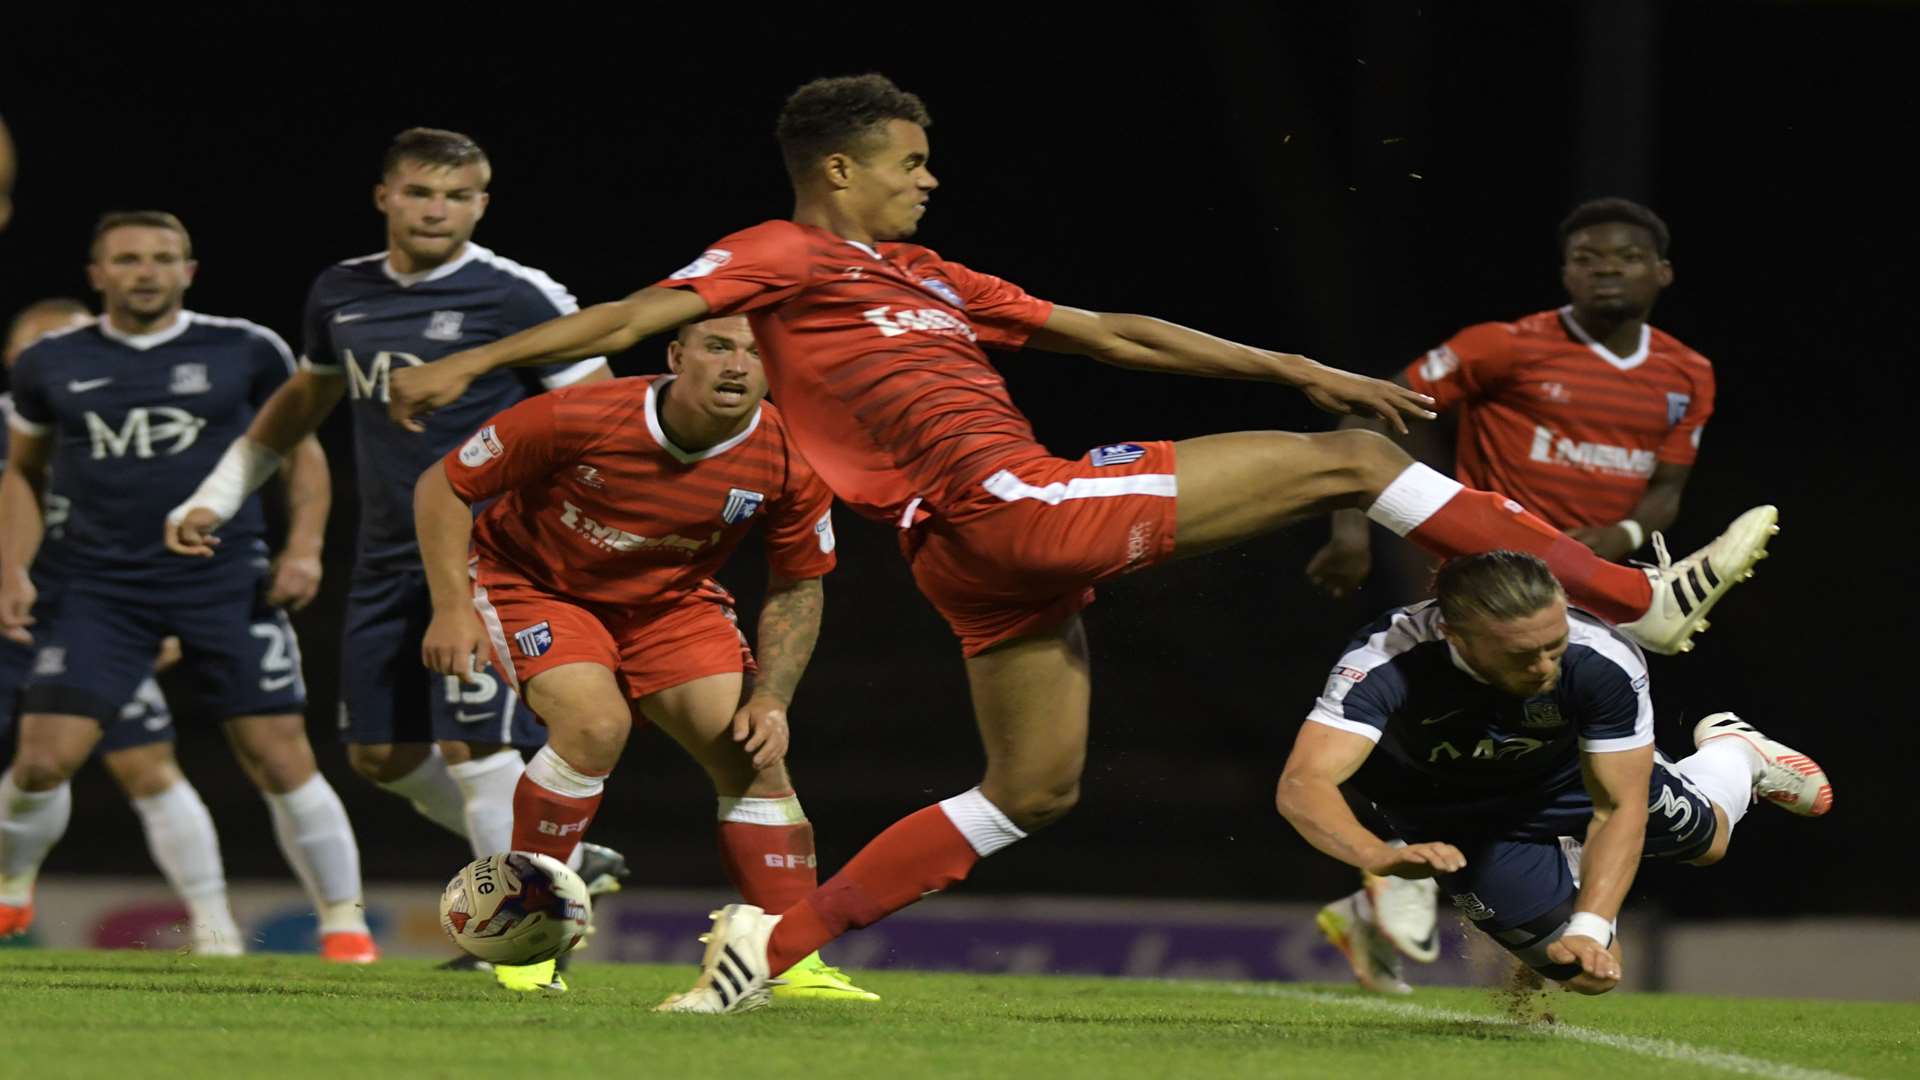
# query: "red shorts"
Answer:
x=1052 y=530
x=647 y=650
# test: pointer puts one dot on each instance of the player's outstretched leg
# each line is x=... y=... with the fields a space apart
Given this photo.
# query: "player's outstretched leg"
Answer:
x=35 y=803
x=1030 y=698
x=1232 y=487
x=183 y=842
x=766 y=841
x=312 y=827
x=1778 y=773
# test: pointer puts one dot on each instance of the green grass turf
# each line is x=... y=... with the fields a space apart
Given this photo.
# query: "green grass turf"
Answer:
x=133 y=1014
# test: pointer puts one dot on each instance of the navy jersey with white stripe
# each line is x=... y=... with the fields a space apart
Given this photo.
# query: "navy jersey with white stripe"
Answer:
x=363 y=318
x=137 y=421
x=1447 y=739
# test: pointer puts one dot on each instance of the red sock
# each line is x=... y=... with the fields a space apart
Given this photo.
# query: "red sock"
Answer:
x=918 y=854
x=548 y=822
x=1475 y=521
x=773 y=866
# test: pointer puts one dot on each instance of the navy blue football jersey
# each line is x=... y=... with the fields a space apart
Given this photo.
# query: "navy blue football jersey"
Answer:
x=1444 y=737
x=363 y=318
x=137 y=422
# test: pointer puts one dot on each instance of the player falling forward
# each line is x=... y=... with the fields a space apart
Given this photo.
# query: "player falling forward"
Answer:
x=136 y=749
x=611 y=508
x=448 y=745
x=1587 y=416
x=128 y=412
x=875 y=351
x=1501 y=734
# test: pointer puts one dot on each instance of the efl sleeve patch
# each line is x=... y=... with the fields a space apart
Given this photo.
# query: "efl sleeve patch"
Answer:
x=483 y=447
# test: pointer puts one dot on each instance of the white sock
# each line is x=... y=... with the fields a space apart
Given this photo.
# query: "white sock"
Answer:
x=981 y=822
x=1724 y=770
x=181 y=837
x=31 y=822
x=432 y=792
x=486 y=786
x=755 y=810
x=317 y=840
x=1413 y=497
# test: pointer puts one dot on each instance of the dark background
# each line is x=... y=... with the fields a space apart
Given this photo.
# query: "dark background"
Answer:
x=1353 y=183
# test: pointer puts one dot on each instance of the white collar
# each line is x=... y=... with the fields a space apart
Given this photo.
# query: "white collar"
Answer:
x=446 y=269
x=1624 y=363
x=686 y=457
x=182 y=320
x=869 y=249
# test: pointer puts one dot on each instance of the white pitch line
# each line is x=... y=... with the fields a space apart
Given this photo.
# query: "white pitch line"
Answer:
x=1665 y=1049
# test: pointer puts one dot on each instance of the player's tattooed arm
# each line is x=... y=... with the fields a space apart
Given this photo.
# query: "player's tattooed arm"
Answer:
x=789 y=626
x=22 y=486
x=295 y=578
x=601 y=330
x=1149 y=344
x=1323 y=758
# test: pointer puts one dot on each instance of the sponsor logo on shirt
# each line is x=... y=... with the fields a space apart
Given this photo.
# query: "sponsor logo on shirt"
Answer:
x=944 y=291
x=1677 y=407
x=1593 y=457
x=1439 y=364
x=610 y=538
x=896 y=321
x=189 y=379
x=483 y=447
x=710 y=260
x=1350 y=674
x=740 y=505
x=1118 y=454
x=145 y=433
x=370 y=383
x=444 y=326
x=823 y=532
x=535 y=640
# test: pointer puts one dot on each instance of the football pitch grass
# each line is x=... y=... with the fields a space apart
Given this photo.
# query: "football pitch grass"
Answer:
x=135 y=1014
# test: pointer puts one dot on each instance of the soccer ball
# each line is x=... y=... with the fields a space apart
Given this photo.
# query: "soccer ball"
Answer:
x=515 y=908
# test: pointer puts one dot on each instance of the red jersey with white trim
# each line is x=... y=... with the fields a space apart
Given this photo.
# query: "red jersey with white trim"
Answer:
x=876 y=355
x=1555 y=421
x=597 y=504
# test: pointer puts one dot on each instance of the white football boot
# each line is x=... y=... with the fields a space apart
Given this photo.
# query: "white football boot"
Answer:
x=1783 y=776
x=1684 y=591
x=1406 y=913
x=1375 y=962
x=733 y=973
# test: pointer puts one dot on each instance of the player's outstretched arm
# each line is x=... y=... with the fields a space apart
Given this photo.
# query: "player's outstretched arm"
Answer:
x=1149 y=344
x=22 y=485
x=1617 y=783
x=789 y=627
x=1323 y=758
x=601 y=330
x=295 y=577
x=456 y=642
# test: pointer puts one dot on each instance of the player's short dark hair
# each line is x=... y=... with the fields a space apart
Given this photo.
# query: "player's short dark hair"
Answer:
x=1498 y=586
x=828 y=116
x=434 y=146
x=149 y=219
x=1611 y=211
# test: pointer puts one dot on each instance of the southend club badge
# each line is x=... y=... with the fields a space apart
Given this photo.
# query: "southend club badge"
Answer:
x=1542 y=714
x=740 y=506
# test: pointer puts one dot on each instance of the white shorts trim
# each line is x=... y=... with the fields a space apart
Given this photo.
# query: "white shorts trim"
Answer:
x=490 y=618
x=1007 y=487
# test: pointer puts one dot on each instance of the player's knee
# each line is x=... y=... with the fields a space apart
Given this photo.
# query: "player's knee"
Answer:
x=42 y=768
x=1041 y=805
x=384 y=763
x=143 y=772
x=1368 y=459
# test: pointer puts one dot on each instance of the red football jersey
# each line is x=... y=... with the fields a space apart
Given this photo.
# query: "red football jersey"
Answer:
x=876 y=356
x=1554 y=420
x=595 y=503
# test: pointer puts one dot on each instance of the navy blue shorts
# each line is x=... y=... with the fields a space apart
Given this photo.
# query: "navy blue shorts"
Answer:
x=1520 y=882
x=388 y=696
x=97 y=650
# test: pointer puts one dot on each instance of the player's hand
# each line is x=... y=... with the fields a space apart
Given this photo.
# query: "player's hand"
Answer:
x=1340 y=568
x=192 y=533
x=168 y=655
x=1610 y=542
x=413 y=392
x=761 y=728
x=1418 y=861
x=1343 y=393
x=456 y=643
x=1599 y=965
x=295 y=580
x=17 y=595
